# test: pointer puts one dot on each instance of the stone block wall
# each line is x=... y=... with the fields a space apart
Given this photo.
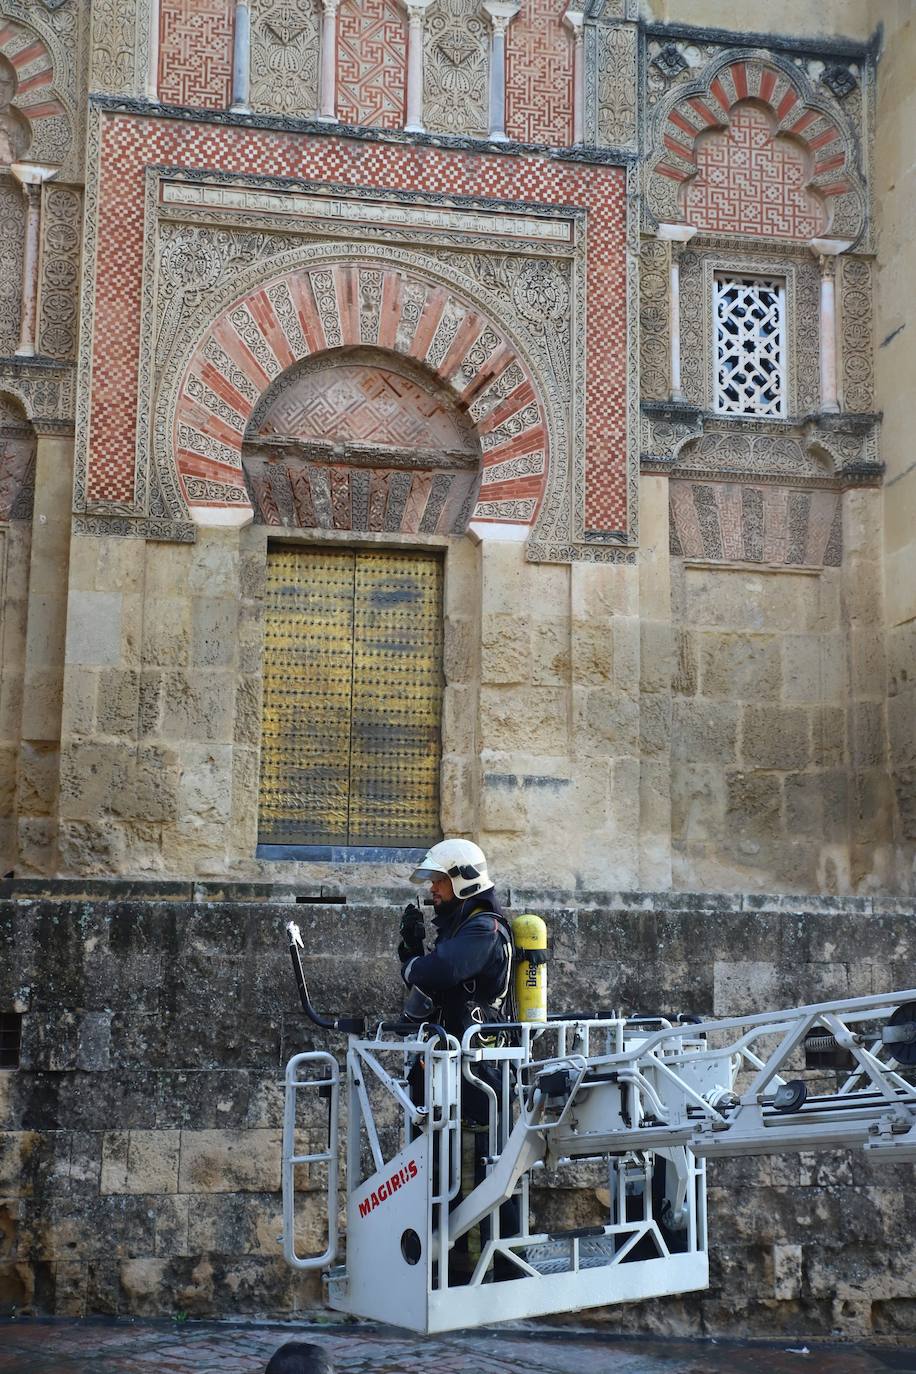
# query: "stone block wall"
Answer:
x=896 y=297
x=139 y=1139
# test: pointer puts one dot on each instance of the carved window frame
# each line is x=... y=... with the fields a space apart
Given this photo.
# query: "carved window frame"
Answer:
x=699 y=262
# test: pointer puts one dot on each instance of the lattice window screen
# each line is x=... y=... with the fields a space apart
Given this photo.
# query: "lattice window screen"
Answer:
x=750 y=324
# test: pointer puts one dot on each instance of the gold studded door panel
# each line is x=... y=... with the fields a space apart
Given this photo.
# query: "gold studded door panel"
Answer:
x=308 y=680
x=352 y=699
x=397 y=694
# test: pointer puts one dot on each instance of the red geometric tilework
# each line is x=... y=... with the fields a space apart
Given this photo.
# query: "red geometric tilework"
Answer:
x=749 y=182
x=539 y=74
x=371 y=63
x=195 y=53
x=815 y=130
x=129 y=144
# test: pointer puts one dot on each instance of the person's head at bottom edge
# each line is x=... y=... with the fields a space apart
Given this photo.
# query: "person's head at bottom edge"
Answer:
x=299 y=1357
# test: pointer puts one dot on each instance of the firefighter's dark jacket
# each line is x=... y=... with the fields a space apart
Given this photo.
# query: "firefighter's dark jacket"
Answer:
x=467 y=966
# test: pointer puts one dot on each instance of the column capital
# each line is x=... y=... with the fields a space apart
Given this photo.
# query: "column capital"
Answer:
x=676 y=233
x=574 y=19
x=416 y=10
x=827 y=251
x=500 y=13
x=329 y=7
x=32 y=173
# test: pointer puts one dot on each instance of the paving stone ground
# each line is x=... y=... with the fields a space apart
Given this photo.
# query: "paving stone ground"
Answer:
x=125 y=1347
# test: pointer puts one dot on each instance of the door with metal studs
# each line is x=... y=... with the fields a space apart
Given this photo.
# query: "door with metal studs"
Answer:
x=351 y=734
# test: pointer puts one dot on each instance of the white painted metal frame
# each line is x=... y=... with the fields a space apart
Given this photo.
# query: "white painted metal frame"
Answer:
x=646 y=1096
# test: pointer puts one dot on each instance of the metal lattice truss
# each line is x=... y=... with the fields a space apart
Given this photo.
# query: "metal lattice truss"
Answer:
x=750 y=325
x=644 y=1101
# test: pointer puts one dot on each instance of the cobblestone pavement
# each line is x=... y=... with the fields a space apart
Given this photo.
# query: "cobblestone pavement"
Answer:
x=124 y=1347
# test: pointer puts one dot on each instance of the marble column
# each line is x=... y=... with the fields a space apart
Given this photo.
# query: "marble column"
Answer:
x=30 y=176
x=416 y=30
x=677 y=235
x=575 y=20
x=152 y=66
x=827 y=251
x=328 y=93
x=500 y=14
x=241 y=59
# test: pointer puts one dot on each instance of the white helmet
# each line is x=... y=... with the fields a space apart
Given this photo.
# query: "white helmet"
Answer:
x=461 y=861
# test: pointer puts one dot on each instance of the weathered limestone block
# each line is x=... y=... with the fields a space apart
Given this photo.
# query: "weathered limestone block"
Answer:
x=605 y=721
x=459 y=649
x=602 y=590
x=214 y=564
x=592 y=654
x=229 y=1161
x=816 y=804
x=704 y=732
x=198 y=705
x=214 y=631
x=16 y=1150
x=698 y=801
x=505 y=649
x=814 y=668
x=551 y=653
x=740 y=667
x=656 y=656
x=140 y=1162
x=94 y=628
x=167 y=631
x=118 y=701
x=787 y=1272
x=867 y=737
x=754 y=805
x=533 y=719
x=39 y=771
x=775 y=737
x=654 y=726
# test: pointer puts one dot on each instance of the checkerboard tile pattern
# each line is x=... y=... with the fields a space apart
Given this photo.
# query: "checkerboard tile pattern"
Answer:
x=130 y=144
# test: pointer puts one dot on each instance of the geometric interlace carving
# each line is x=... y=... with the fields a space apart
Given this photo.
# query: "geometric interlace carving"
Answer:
x=750 y=372
x=749 y=182
x=354 y=404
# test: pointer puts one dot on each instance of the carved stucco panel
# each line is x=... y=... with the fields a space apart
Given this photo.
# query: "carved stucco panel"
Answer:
x=285 y=53
x=857 y=330
x=12 y=239
x=59 y=280
x=456 y=70
x=200 y=307
x=654 y=318
x=616 y=87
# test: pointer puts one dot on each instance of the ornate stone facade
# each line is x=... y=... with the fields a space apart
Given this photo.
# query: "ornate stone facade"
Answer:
x=675 y=648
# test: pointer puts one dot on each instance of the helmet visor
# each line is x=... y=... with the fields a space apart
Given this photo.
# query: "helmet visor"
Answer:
x=424 y=873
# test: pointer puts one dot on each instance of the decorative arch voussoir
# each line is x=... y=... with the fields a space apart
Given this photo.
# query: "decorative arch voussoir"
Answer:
x=35 y=96
x=796 y=112
x=321 y=308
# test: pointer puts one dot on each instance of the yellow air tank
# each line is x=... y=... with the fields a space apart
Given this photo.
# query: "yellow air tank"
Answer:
x=529 y=934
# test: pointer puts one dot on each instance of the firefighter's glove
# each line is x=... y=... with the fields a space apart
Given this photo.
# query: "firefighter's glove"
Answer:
x=413 y=933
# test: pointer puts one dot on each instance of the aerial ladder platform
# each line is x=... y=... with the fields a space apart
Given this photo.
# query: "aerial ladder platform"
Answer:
x=630 y=1106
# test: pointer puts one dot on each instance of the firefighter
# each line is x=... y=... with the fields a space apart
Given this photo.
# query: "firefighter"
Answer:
x=464 y=980
x=467 y=972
